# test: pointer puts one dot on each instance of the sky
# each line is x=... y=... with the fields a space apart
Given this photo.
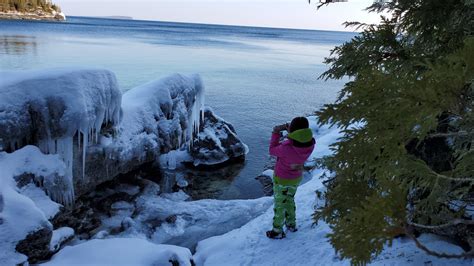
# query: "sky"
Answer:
x=297 y=14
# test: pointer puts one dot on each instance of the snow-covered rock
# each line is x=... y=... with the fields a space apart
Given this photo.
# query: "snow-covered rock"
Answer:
x=76 y=113
x=161 y=116
x=49 y=108
x=24 y=211
x=85 y=135
x=217 y=142
x=121 y=251
x=60 y=236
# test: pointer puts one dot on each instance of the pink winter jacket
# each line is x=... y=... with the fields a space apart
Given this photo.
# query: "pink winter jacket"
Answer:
x=290 y=159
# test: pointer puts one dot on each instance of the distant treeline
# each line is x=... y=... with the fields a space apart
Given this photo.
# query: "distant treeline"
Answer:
x=27 y=5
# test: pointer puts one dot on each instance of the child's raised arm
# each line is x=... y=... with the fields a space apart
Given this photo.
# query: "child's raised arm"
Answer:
x=275 y=148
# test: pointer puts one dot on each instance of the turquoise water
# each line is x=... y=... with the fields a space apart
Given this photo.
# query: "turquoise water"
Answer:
x=254 y=77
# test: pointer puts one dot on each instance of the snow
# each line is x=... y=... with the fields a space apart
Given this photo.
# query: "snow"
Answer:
x=41 y=200
x=49 y=107
x=268 y=172
x=59 y=236
x=248 y=245
x=194 y=220
x=20 y=214
x=120 y=251
x=162 y=115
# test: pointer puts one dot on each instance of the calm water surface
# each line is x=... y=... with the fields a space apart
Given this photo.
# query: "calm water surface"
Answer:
x=254 y=77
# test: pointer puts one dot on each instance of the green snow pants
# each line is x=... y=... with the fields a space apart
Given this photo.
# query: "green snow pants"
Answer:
x=284 y=202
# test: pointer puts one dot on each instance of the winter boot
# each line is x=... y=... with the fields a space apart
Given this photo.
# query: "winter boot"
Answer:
x=275 y=235
x=291 y=228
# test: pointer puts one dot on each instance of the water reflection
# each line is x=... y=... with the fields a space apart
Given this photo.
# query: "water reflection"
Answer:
x=18 y=45
x=204 y=183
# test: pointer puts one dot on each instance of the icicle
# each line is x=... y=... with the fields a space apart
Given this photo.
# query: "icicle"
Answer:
x=85 y=143
x=64 y=192
x=171 y=161
x=78 y=140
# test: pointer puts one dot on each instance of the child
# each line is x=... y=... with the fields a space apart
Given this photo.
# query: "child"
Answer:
x=291 y=155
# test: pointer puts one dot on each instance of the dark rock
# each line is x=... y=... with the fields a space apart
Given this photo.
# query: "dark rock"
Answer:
x=267 y=183
x=217 y=143
x=171 y=219
x=36 y=245
x=154 y=222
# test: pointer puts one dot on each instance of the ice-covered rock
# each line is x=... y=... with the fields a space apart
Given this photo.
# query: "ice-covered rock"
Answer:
x=217 y=142
x=59 y=237
x=77 y=113
x=51 y=108
x=161 y=116
x=86 y=135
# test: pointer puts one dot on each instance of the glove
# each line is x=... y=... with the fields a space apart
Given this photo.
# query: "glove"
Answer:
x=279 y=128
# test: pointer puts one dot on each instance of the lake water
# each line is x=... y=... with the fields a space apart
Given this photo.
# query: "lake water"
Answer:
x=254 y=77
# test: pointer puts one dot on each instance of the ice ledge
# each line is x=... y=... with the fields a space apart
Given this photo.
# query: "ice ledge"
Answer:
x=79 y=114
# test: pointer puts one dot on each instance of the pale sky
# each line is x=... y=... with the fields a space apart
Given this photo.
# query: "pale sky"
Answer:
x=264 y=13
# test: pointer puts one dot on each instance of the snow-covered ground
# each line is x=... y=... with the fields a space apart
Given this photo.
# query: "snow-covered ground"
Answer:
x=169 y=218
x=121 y=251
x=248 y=245
x=165 y=218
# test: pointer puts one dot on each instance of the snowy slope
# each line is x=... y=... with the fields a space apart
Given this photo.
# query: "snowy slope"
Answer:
x=248 y=245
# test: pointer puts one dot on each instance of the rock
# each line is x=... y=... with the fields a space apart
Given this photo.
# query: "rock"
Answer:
x=171 y=219
x=60 y=237
x=267 y=183
x=36 y=245
x=217 y=143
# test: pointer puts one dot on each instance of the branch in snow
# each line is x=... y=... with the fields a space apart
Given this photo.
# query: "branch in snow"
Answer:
x=465 y=255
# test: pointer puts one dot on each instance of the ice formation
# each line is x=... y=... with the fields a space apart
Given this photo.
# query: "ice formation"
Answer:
x=161 y=116
x=48 y=108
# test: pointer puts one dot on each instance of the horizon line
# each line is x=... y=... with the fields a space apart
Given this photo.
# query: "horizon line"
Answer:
x=118 y=17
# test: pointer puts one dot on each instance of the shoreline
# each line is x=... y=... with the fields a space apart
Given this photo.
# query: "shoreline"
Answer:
x=36 y=16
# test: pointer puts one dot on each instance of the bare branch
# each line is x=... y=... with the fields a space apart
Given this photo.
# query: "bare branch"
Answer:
x=420 y=245
x=450 y=134
x=441 y=226
x=457 y=179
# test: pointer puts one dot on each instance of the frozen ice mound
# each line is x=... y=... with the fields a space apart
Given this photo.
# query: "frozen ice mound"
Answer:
x=55 y=104
x=49 y=108
x=163 y=115
x=80 y=115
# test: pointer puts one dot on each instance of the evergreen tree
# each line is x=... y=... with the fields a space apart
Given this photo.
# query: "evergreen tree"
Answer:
x=27 y=5
x=410 y=91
